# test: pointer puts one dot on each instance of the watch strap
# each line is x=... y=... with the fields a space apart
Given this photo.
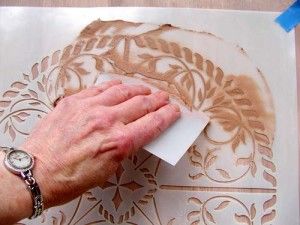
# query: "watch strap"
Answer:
x=37 y=198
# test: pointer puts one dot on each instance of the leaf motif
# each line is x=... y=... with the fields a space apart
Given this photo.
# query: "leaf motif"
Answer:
x=218 y=100
x=23 y=114
x=236 y=91
x=269 y=203
x=195 y=201
x=200 y=96
x=195 y=163
x=97 y=222
x=10 y=94
x=54 y=221
x=219 y=76
x=170 y=74
x=26 y=77
x=77 y=64
x=40 y=87
x=211 y=92
x=253 y=168
x=235 y=143
x=249 y=113
x=171 y=221
x=209 y=216
x=81 y=71
x=99 y=63
x=26 y=95
x=197 y=153
x=193 y=214
x=224 y=173
x=33 y=93
x=34 y=103
x=152 y=64
x=175 y=66
x=242 y=219
x=4 y=104
x=44 y=64
x=210 y=161
x=145 y=56
x=268 y=217
x=222 y=205
x=12 y=133
x=34 y=71
x=6 y=127
x=242 y=101
x=196 y=222
x=227 y=83
x=252 y=211
x=63 y=218
x=188 y=84
x=243 y=161
x=242 y=136
x=18 y=118
x=44 y=80
x=268 y=177
x=197 y=176
x=207 y=85
x=19 y=85
x=144 y=170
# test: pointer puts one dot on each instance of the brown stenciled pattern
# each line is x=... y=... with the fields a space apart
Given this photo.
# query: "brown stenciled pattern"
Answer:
x=207 y=216
x=148 y=72
x=103 y=51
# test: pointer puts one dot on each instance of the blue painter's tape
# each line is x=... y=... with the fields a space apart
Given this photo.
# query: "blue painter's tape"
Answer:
x=290 y=17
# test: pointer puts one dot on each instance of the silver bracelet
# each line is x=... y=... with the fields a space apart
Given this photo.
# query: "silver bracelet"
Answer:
x=37 y=199
x=19 y=162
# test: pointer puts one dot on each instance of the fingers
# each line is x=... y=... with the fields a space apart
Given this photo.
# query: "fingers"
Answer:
x=153 y=124
x=120 y=93
x=96 y=90
x=139 y=106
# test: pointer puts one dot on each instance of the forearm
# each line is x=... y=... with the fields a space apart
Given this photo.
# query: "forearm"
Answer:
x=16 y=202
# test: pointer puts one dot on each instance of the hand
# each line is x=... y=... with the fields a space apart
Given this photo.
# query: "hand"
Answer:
x=82 y=142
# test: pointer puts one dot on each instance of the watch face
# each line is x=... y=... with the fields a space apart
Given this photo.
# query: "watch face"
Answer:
x=18 y=160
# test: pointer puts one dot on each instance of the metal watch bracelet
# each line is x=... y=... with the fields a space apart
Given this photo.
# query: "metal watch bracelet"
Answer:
x=37 y=198
x=26 y=174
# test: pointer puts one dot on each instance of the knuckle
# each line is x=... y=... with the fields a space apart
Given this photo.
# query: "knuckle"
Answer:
x=125 y=142
x=123 y=91
x=159 y=122
x=101 y=119
x=66 y=102
x=146 y=102
x=95 y=90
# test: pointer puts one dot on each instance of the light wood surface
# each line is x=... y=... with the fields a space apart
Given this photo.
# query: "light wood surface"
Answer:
x=268 y=5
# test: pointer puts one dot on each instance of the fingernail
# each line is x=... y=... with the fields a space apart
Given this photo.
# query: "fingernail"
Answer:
x=144 y=87
x=175 y=107
x=163 y=94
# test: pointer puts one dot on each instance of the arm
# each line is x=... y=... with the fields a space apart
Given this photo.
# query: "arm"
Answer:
x=16 y=202
x=82 y=142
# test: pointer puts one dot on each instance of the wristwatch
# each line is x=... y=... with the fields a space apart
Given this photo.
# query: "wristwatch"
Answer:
x=20 y=162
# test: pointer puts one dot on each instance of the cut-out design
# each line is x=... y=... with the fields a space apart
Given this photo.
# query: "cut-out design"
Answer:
x=240 y=132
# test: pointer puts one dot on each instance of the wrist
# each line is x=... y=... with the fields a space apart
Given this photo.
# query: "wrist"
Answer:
x=13 y=188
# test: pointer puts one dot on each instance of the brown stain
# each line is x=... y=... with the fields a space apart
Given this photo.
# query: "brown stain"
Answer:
x=96 y=26
x=255 y=98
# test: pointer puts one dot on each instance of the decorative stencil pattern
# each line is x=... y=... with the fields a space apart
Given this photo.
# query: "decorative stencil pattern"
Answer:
x=228 y=176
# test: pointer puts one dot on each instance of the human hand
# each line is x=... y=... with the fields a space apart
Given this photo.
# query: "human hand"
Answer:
x=82 y=142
